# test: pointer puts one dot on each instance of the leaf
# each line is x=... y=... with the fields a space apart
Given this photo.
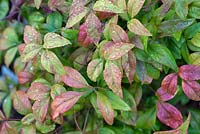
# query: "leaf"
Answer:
x=28 y=130
x=74 y=79
x=116 y=102
x=94 y=69
x=45 y=127
x=113 y=77
x=117 y=33
x=53 y=40
x=169 y=115
x=24 y=77
x=169 y=83
x=38 y=91
x=189 y=72
x=77 y=12
x=4 y=8
x=181 y=8
x=134 y=7
x=106 y=6
x=164 y=95
x=113 y=51
x=136 y=27
x=21 y=103
x=129 y=66
x=40 y=109
x=93 y=28
x=64 y=102
x=51 y=63
x=56 y=90
x=168 y=132
x=105 y=130
x=55 y=20
x=194 y=12
x=37 y=3
x=27 y=119
x=191 y=89
x=10 y=34
x=83 y=38
x=196 y=39
x=194 y=58
x=10 y=55
x=162 y=55
x=105 y=108
x=7 y=105
x=31 y=36
x=30 y=51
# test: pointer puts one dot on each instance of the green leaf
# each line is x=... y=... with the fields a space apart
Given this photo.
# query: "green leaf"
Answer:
x=4 y=8
x=134 y=7
x=181 y=8
x=105 y=130
x=192 y=30
x=28 y=119
x=51 y=63
x=136 y=27
x=116 y=101
x=7 y=105
x=10 y=55
x=196 y=40
x=106 y=6
x=162 y=55
x=56 y=90
x=194 y=12
x=10 y=34
x=105 y=108
x=30 y=51
x=45 y=127
x=94 y=69
x=28 y=130
x=55 y=19
x=53 y=40
x=37 y=3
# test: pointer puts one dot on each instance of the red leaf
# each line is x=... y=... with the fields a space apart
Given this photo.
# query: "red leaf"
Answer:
x=104 y=15
x=113 y=77
x=73 y=78
x=64 y=102
x=129 y=66
x=21 y=48
x=24 y=77
x=169 y=115
x=117 y=33
x=191 y=89
x=189 y=72
x=169 y=84
x=38 y=91
x=83 y=38
x=31 y=35
x=163 y=95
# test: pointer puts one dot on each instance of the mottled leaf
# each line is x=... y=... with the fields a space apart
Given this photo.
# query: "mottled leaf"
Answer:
x=28 y=130
x=7 y=105
x=164 y=95
x=189 y=72
x=117 y=33
x=134 y=6
x=21 y=103
x=53 y=40
x=27 y=119
x=191 y=89
x=24 y=77
x=31 y=35
x=196 y=40
x=113 y=51
x=181 y=8
x=113 y=77
x=74 y=79
x=10 y=55
x=169 y=115
x=45 y=127
x=56 y=90
x=105 y=108
x=30 y=51
x=83 y=38
x=106 y=6
x=77 y=12
x=136 y=27
x=94 y=69
x=51 y=63
x=64 y=102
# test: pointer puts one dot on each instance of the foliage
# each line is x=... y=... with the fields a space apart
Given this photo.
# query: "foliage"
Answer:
x=100 y=66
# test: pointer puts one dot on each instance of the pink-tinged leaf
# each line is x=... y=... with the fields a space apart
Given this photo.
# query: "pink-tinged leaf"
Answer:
x=168 y=132
x=189 y=72
x=93 y=28
x=129 y=66
x=104 y=15
x=31 y=35
x=164 y=95
x=40 y=109
x=60 y=5
x=21 y=48
x=169 y=115
x=24 y=77
x=105 y=108
x=38 y=91
x=134 y=7
x=137 y=27
x=113 y=51
x=64 y=102
x=83 y=38
x=191 y=89
x=7 y=128
x=117 y=33
x=21 y=103
x=169 y=83
x=73 y=78
x=77 y=12
x=113 y=77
